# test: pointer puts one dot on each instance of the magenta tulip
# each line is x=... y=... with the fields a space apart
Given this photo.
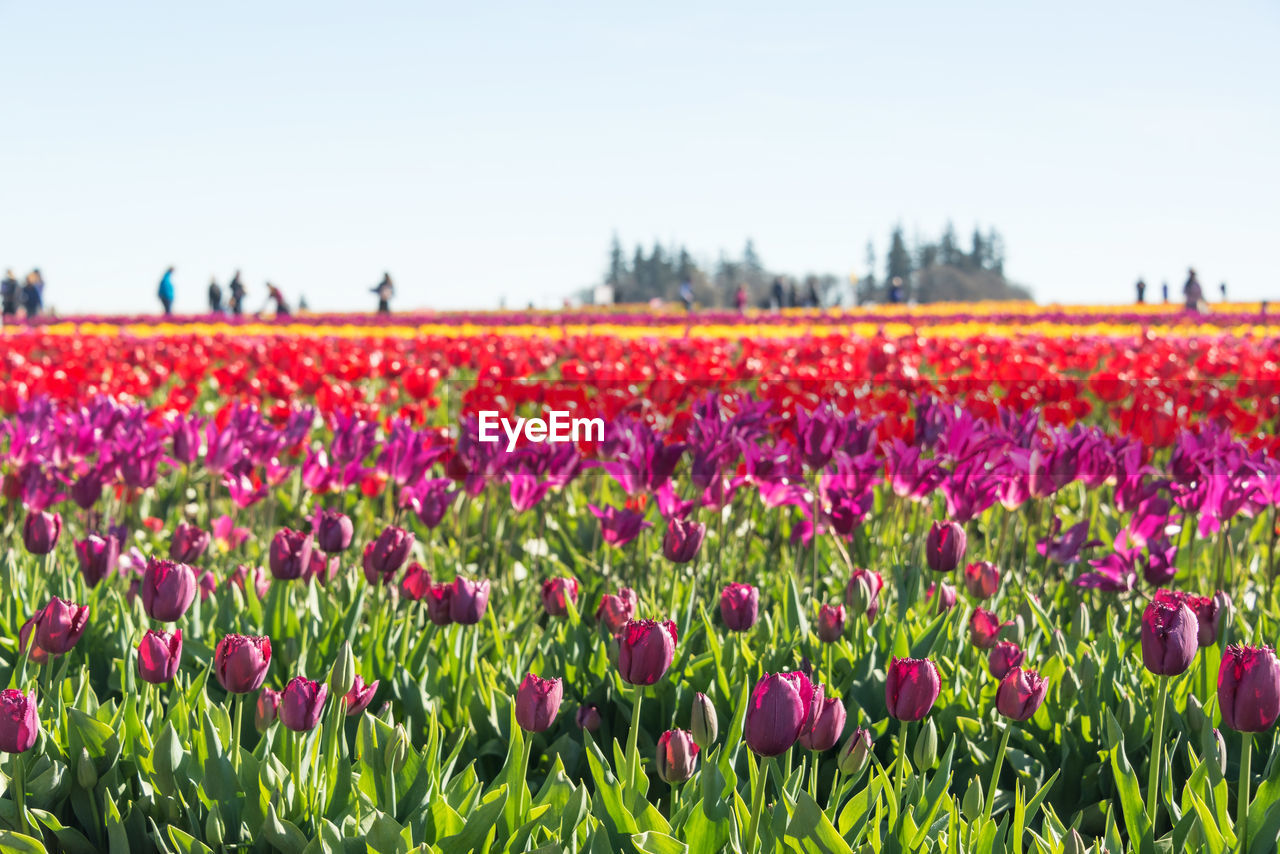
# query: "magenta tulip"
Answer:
x=19 y=725
x=301 y=704
x=159 y=654
x=1020 y=693
x=1170 y=637
x=677 y=756
x=557 y=593
x=646 y=649
x=828 y=726
x=944 y=546
x=1003 y=657
x=360 y=696
x=241 y=662
x=167 y=589
x=538 y=702
x=1249 y=688
x=739 y=606
x=469 y=601
x=616 y=609
x=911 y=688
x=783 y=707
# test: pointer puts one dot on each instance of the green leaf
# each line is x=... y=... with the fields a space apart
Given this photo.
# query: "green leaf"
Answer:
x=16 y=843
x=1135 y=812
x=652 y=842
x=810 y=831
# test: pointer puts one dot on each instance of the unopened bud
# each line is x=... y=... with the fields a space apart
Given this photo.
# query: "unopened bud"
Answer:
x=926 y=750
x=703 y=722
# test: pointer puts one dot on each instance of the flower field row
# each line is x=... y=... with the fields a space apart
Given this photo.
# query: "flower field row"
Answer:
x=897 y=591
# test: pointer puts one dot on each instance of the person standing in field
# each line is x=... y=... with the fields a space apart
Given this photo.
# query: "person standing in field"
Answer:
x=385 y=291
x=237 y=292
x=1192 y=292
x=275 y=295
x=215 y=297
x=1141 y=287
x=779 y=300
x=740 y=298
x=165 y=292
x=686 y=295
x=8 y=295
x=1222 y=288
x=33 y=293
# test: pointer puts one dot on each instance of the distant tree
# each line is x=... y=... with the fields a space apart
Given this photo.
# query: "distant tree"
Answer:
x=948 y=249
x=899 y=260
x=617 y=264
x=978 y=253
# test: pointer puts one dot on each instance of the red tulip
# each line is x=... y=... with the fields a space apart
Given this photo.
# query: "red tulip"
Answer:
x=911 y=688
x=416 y=582
x=944 y=546
x=241 y=662
x=188 y=543
x=982 y=579
x=159 y=654
x=1020 y=693
x=40 y=531
x=360 y=696
x=1169 y=638
x=167 y=589
x=984 y=629
x=1004 y=656
x=646 y=649
x=267 y=709
x=538 y=702
x=557 y=593
x=683 y=539
x=830 y=623
x=59 y=625
x=1249 y=688
x=439 y=600
x=677 y=756
x=19 y=725
x=739 y=606
x=828 y=726
x=302 y=703
x=783 y=707
x=616 y=609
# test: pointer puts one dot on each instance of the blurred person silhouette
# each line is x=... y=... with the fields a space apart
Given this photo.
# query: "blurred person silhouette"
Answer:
x=385 y=291
x=1222 y=289
x=740 y=298
x=1142 y=291
x=1164 y=291
x=686 y=295
x=895 y=290
x=165 y=291
x=275 y=295
x=793 y=296
x=237 y=293
x=33 y=293
x=302 y=303
x=812 y=300
x=8 y=295
x=215 y=297
x=1193 y=294
x=778 y=297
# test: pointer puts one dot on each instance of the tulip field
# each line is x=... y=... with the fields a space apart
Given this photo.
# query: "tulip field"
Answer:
x=995 y=578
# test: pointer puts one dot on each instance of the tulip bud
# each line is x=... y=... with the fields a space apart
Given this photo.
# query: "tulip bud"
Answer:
x=1004 y=656
x=290 y=554
x=1216 y=750
x=557 y=593
x=333 y=531
x=683 y=539
x=828 y=726
x=1020 y=693
x=739 y=606
x=677 y=756
x=159 y=654
x=397 y=750
x=588 y=717
x=240 y=662
x=616 y=609
x=267 y=709
x=944 y=546
x=469 y=601
x=911 y=688
x=86 y=773
x=646 y=649
x=1169 y=638
x=855 y=756
x=830 y=623
x=167 y=589
x=1073 y=843
x=360 y=696
x=98 y=556
x=343 y=673
x=974 y=798
x=1248 y=688
x=926 y=749
x=59 y=625
x=188 y=543
x=1195 y=713
x=982 y=579
x=19 y=725
x=703 y=722
x=214 y=831
x=302 y=703
x=40 y=531
x=538 y=702
x=862 y=594
x=783 y=707
x=1080 y=629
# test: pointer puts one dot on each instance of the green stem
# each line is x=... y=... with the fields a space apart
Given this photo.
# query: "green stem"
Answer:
x=902 y=765
x=1242 y=791
x=813 y=775
x=19 y=775
x=633 y=738
x=995 y=774
x=237 y=702
x=522 y=793
x=1157 y=751
x=757 y=804
x=833 y=800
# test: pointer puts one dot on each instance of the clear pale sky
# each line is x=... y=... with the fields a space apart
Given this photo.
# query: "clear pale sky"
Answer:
x=485 y=150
